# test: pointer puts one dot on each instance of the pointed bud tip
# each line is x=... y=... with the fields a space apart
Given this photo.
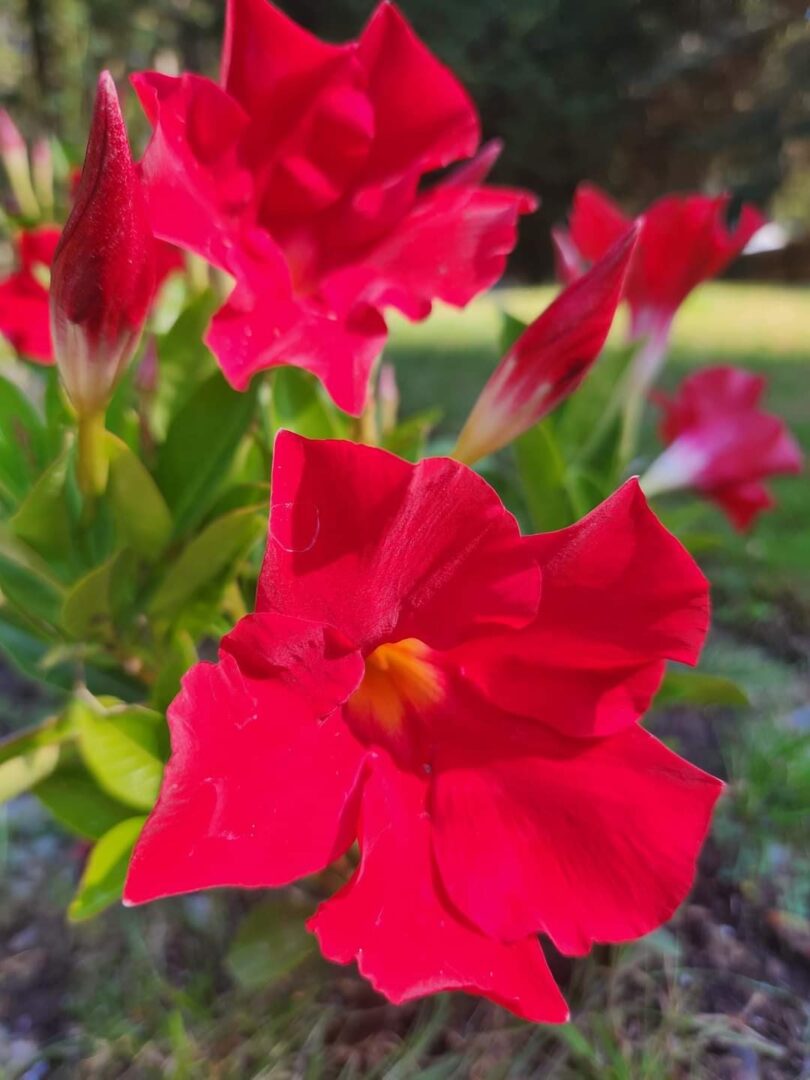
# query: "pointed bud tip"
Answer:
x=11 y=140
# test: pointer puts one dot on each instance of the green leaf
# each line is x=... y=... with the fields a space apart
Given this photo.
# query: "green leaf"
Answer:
x=542 y=473
x=271 y=942
x=299 y=404
x=200 y=448
x=184 y=361
x=50 y=732
x=207 y=557
x=141 y=515
x=27 y=582
x=43 y=519
x=106 y=870
x=408 y=439
x=23 y=441
x=26 y=651
x=124 y=747
x=681 y=687
x=179 y=655
x=21 y=773
x=77 y=802
x=511 y=329
x=90 y=606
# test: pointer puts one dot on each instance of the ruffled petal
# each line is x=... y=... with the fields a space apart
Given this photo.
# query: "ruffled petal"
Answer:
x=452 y=245
x=270 y=65
x=434 y=122
x=620 y=596
x=198 y=191
x=263 y=325
x=262 y=783
x=384 y=550
x=586 y=841
x=394 y=918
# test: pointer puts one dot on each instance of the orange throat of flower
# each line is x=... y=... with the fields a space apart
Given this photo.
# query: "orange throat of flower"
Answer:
x=400 y=678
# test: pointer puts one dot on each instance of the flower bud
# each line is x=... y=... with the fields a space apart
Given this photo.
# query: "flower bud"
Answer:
x=14 y=153
x=103 y=274
x=42 y=169
x=550 y=358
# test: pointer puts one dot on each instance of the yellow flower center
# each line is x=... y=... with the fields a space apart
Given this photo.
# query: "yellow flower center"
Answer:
x=399 y=678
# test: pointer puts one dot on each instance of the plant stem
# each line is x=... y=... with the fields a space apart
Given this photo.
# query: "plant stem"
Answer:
x=93 y=463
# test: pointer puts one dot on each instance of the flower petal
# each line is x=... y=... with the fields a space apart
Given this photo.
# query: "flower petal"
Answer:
x=260 y=790
x=384 y=550
x=198 y=190
x=395 y=920
x=587 y=841
x=25 y=317
x=452 y=245
x=620 y=596
x=262 y=325
x=434 y=122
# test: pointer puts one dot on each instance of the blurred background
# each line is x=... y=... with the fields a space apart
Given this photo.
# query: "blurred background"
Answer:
x=642 y=97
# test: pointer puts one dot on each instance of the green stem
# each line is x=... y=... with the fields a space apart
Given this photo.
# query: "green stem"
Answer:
x=93 y=463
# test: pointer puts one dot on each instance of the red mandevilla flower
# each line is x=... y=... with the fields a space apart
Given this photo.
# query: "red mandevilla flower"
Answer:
x=722 y=443
x=301 y=176
x=103 y=274
x=406 y=682
x=24 y=318
x=684 y=240
x=550 y=358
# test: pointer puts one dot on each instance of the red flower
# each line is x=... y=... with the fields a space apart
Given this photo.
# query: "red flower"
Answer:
x=721 y=442
x=685 y=240
x=301 y=176
x=406 y=682
x=103 y=275
x=550 y=359
x=24 y=318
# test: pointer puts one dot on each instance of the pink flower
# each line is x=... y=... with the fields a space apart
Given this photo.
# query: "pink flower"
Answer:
x=302 y=175
x=461 y=700
x=722 y=443
x=103 y=274
x=24 y=318
x=551 y=357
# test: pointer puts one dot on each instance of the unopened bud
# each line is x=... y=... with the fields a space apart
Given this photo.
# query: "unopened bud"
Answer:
x=14 y=153
x=103 y=274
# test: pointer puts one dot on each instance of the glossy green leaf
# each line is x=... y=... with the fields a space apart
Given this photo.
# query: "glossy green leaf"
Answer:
x=409 y=439
x=141 y=515
x=23 y=441
x=300 y=404
x=43 y=519
x=271 y=942
x=207 y=557
x=542 y=474
x=683 y=687
x=179 y=654
x=50 y=732
x=27 y=582
x=124 y=747
x=183 y=361
x=200 y=447
x=106 y=870
x=22 y=772
x=511 y=329
x=89 y=608
x=73 y=797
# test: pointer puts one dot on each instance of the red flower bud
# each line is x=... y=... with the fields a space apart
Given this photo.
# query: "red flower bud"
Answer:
x=103 y=274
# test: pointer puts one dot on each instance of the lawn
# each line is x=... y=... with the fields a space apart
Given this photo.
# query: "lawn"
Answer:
x=721 y=992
